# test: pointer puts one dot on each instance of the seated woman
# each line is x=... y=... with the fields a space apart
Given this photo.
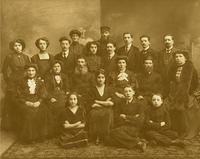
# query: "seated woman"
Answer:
x=57 y=85
x=43 y=59
x=93 y=60
x=158 y=124
x=184 y=110
x=100 y=113
x=13 y=72
x=129 y=121
x=120 y=78
x=30 y=98
x=72 y=123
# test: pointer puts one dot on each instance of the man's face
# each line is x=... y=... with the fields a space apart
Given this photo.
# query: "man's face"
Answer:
x=105 y=35
x=65 y=45
x=148 y=65
x=81 y=63
x=145 y=42
x=157 y=101
x=110 y=48
x=127 y=39
x=168 y=41
x=75 y=37
x=129 y=93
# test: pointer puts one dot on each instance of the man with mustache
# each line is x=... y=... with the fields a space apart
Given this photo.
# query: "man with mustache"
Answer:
x=166 y=59
x=149 y=81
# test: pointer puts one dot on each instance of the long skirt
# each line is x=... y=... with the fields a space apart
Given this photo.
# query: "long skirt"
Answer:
x=124 y=136
x=100 y=122
x=73 y=138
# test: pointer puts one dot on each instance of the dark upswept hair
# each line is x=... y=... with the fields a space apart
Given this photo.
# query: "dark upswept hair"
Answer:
x=88 y=45
x=74 y=31
x=183 y=52
x=63 y=38
x=158 y=94
x=145 y=36
x=100 y=71
x=42 y=38
x=55 y=62
x=12 y=43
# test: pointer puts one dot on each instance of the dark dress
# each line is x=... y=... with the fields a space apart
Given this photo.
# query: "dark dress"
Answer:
x=76 y=48
x=74 y=136
x=127 y=131
x=68 y=63
x=154 y=131
x=182 y=104
x=34 y=121
x=13 y=71
x=56 y=89
x=133 y=57
x=93 y=62
x=100 y=119
x=44 y=65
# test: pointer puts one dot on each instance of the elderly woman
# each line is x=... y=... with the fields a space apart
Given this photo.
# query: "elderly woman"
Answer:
x=30 y=98
x=183 y=80
x=120 y=78
x=43 y=59
x=13 y=72
x=57 y=86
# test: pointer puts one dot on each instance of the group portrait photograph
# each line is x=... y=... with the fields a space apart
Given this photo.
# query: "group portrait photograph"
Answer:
x=106 y=79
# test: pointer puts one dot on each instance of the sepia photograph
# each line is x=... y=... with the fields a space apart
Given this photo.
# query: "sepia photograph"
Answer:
x=100 y=79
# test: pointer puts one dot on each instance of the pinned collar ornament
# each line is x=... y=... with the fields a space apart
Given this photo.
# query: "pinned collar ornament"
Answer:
x=122 y=76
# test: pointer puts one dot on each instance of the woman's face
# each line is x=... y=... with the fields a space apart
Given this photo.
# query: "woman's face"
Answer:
x=101 y=79
x=129 y=93
x=157 y=101
x=180 y=59
x=93 y=48
x=31 y=72
x=121 y=64
x=17 y=47
x=56 y=68
x=75 y=37
x=73 y=100
x=42 y=45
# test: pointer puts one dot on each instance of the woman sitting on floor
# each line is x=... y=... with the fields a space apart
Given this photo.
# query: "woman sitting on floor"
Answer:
x=72 y=122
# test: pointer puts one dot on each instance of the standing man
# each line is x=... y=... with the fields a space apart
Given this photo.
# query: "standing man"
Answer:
x=166 y=58
x=105 y=36
x=76 y=48
x=132 y=52
x=147 y=51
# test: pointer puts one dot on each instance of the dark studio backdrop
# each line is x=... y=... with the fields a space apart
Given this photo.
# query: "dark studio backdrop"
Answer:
x=31 y=19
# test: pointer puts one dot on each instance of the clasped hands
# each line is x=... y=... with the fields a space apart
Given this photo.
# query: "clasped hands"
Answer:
x=33 y=104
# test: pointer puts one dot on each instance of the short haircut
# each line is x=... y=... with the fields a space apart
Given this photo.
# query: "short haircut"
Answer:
x=12 y=43
x=128 y=33
x=42 y=38
x=64 y=38
x=168 y=35
x=112 y=42
x=129 y=86
x=145 y=36
x=157 y=94
x=100 y=71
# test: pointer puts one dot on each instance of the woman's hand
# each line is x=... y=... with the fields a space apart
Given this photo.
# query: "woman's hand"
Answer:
x=96 y=105
x=53 y=100
x=120 y=95
x=140 y=97
x=30 y=104
x=162 y=123
x=123 y=116
x=36 y=104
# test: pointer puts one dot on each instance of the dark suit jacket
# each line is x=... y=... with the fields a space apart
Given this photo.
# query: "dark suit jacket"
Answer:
x=109 y=65
x=68 y=63
x=133 y=57
x=144 y=54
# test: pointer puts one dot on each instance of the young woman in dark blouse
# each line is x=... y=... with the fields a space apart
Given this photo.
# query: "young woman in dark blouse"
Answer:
x=100 y=109
x=13 y=72
x=43 y=59
x=72 y=123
